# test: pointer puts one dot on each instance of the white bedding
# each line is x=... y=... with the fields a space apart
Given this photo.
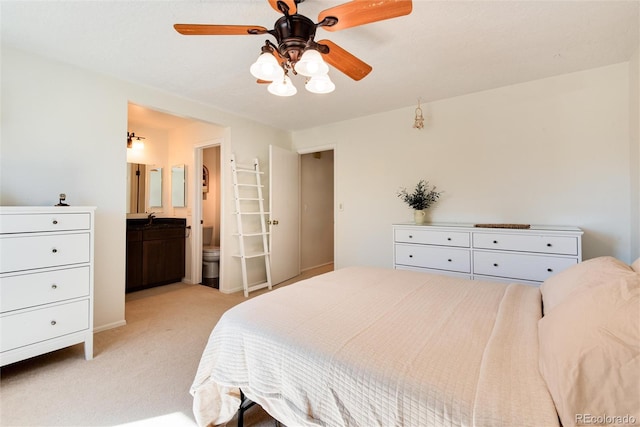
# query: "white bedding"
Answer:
x=365 y=346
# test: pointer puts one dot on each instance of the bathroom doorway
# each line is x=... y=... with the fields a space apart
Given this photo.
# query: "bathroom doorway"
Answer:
x=210 y=218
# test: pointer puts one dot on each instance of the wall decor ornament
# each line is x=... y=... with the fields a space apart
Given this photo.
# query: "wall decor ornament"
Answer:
x=418 y=122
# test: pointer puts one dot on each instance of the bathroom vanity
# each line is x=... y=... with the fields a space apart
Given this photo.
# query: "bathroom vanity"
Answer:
x=155 y=252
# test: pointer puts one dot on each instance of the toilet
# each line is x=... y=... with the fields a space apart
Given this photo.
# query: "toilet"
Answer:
x=210 y=255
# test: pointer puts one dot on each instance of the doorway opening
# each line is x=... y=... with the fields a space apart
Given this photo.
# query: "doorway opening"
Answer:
x=317 y=210
x=210 y=215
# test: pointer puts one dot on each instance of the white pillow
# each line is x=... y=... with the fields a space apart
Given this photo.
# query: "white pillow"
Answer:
x=586 y=274
x=590 y=353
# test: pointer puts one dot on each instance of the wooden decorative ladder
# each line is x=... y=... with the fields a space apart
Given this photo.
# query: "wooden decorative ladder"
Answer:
x=247 y=189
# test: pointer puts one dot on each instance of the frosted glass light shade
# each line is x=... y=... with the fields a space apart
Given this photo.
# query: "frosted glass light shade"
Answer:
x=311 y=64
x=266 y=68
x=282 y=87
x=320 y=84
x=137 y=144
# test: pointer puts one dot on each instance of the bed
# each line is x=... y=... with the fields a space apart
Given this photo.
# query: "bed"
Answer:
x=365 y=346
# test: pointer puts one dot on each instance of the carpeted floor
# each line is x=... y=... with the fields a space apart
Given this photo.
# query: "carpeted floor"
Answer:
x=140 y=374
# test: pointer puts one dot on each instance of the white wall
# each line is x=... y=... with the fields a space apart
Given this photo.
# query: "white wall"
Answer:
x=552 y=151
x=64 y=129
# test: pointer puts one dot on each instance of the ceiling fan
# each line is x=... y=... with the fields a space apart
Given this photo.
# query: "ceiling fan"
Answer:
x=296 y=51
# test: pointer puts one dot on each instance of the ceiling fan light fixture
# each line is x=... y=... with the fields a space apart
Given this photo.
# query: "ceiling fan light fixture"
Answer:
x=267 y=68
x=282 y=87
x=320 y=84
x=296 y=49
x=311 y=64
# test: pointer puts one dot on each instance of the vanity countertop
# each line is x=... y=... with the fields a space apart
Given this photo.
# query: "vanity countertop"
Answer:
x=155 y=223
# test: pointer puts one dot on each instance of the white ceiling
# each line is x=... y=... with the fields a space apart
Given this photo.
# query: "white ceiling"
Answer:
x=442 y=49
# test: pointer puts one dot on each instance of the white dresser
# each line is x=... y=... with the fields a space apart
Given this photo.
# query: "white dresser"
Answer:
x=46 y=280
x=498 y=254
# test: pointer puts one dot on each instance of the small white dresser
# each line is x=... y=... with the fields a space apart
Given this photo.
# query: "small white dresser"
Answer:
x=526 y=256
x=46 y=280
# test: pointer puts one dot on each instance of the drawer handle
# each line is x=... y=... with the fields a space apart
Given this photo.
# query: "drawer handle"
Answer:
x=449 y=239
x=411 y=236
x=54 y=250
x=495 y=264
x=54 y=286
x=495 y=242
x=410 y=256
x=550 y=270
x=55 y=222
x=449 y=260
x=548 y=245
x=53 y=323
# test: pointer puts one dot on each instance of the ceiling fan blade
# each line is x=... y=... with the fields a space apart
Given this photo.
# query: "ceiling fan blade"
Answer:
x=345 y=61
x=291 y=4
x=360 y=12
x=218 y=30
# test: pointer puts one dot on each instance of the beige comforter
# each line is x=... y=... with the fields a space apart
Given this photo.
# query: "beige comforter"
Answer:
x=375 y=347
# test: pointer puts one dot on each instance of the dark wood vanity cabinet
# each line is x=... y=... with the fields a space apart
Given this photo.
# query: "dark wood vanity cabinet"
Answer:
x=134 y=260
x=155 y=255
x=162 y=256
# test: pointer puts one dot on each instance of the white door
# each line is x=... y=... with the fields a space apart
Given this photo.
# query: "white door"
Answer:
x=284 y=196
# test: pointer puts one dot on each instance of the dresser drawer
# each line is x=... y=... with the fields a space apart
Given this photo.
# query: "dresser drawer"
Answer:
x=433 y=237
x=31 y=223
x=34 y=326
x=519 y=266
x=439 y=258
x=28 y=252
x=33 y=289
x=562 y=245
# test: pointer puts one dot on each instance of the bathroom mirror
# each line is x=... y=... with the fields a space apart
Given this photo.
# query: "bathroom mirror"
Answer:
x=179 y=186
x=155 y=187
x=136 y=188
x=143 y=191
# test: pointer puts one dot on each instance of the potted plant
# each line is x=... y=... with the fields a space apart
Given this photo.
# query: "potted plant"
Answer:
x=420 y=199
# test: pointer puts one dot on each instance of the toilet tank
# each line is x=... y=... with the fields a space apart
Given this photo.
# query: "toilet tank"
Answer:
x=207 y=236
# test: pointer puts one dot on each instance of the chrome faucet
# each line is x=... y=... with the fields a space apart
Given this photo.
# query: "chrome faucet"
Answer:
x=150 y=217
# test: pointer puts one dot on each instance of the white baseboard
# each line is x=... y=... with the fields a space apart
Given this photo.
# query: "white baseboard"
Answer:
x=316 y=266
x=109 y=326
x=232 y=291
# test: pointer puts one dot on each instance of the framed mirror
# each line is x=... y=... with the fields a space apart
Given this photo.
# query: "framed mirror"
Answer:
x=136 y=188
x=144 y=187
x=155 y=187
x=179 y=186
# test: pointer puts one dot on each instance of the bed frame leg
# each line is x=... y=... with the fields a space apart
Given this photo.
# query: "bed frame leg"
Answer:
x=245 y=403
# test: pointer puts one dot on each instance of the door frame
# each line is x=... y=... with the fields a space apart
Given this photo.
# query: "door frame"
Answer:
x=196 y=214
x=313 y=149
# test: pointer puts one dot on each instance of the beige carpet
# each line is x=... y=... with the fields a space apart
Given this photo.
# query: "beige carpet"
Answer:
x=140 y=374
